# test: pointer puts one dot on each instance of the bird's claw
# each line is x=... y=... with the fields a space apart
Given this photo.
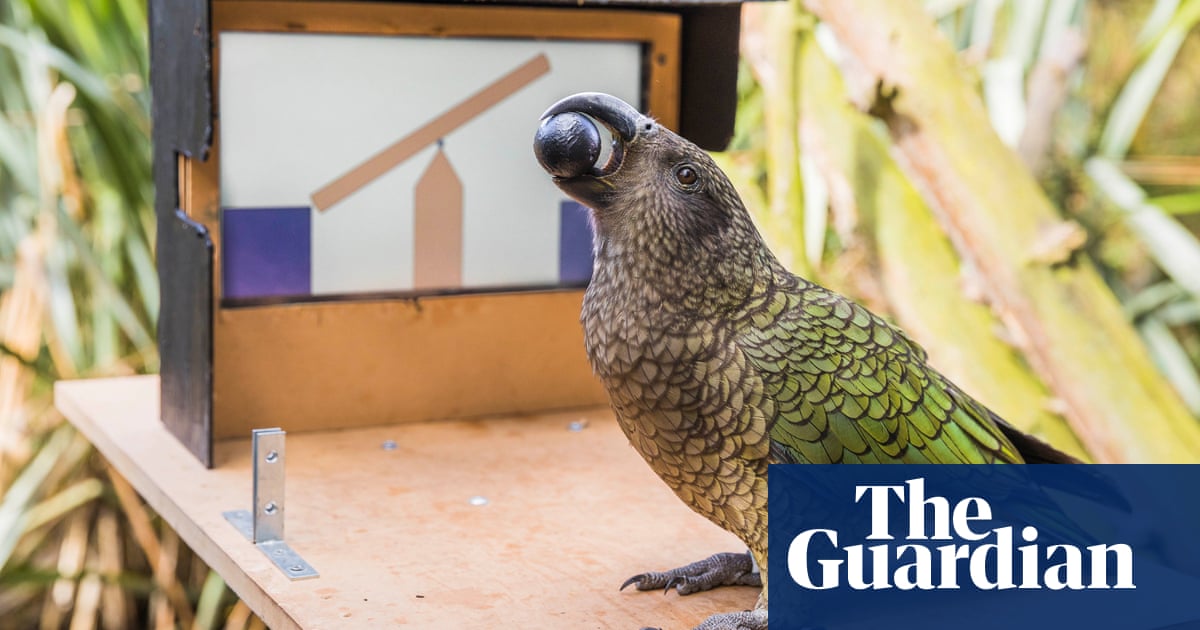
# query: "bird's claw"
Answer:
x=639 y=579
x=722 y=569
x=675 y=581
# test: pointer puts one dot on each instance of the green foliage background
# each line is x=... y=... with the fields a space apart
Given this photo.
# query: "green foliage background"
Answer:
x=79 y=298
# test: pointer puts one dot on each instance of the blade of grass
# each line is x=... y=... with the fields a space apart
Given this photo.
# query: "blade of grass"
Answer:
x=71 y=555
x=1173 y=360
x=1004 y=97
x=26 y=45
x=14 y=156
x=1060 y=16
x=166 y=576
x=21 y=312
x=1152 y=298
x=145 y=274
x=1129 y=108
x=1024 y=27
x=14 y=506
x=1180 y=313
x=63 y=338
x=983 y=24
x=15 y=597
x=114 y=608
x=1173 y=247
x=1158 y=19
x=33 y=541
x=107 y=292
x=208 y=607
x=152 y=548
x=1178 y=204
x=239 y=617
x=63 y=502
x=87 y=599
x=1004 y=76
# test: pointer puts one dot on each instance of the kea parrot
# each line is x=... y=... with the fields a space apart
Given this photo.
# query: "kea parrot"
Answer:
x=718 y=361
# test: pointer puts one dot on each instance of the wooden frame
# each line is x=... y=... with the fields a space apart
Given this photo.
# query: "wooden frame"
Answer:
x=323 y=365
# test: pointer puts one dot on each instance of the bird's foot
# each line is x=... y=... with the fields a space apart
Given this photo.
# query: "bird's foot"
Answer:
x=744 y=620
x=722 y=569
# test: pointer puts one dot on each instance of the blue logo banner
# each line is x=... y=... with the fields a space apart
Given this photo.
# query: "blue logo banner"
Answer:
x=895 y=547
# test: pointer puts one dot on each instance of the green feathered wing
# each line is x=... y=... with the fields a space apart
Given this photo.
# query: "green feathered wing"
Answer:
x=850 y=388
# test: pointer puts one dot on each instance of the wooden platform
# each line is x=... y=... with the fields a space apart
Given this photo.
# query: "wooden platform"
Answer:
x=569 y=516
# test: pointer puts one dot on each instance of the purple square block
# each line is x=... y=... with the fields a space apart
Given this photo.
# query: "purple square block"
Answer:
x=266 y=252
x=574 y=243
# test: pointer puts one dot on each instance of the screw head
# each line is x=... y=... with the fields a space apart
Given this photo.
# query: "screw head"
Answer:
x=272 y=457
x=577 y=425
x=389 y=445
x=295 y=568
x=478 y=500
x=270 y=508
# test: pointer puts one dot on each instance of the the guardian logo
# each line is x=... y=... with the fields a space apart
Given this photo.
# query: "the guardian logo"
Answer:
x=948 y=547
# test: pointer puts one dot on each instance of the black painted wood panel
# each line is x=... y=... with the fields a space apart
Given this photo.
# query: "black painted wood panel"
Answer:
x=180 y=72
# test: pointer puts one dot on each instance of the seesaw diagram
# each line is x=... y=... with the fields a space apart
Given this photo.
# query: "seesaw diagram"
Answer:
x=313 y=206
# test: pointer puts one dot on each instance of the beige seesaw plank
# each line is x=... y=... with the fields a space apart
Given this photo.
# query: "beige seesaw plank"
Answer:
x=394 y=535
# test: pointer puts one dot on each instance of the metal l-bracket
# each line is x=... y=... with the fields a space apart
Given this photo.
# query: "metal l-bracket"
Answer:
x=264 y=525
x=267 y=448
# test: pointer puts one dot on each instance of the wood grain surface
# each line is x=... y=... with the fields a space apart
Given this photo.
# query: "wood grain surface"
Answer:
x=393 y=533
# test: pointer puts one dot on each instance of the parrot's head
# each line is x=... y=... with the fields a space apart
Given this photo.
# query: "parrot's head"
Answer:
x=646 y=186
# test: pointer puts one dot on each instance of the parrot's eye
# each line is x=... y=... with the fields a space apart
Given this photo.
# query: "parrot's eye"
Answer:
x=686 y=175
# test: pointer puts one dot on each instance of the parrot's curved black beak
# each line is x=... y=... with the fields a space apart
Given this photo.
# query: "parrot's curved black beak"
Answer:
x=583 y=138
x=612 y=111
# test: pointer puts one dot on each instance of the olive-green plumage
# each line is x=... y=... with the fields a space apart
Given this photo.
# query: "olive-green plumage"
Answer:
x=718 y=361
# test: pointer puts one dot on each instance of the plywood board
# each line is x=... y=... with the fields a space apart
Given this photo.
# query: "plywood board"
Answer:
x=569 y=515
